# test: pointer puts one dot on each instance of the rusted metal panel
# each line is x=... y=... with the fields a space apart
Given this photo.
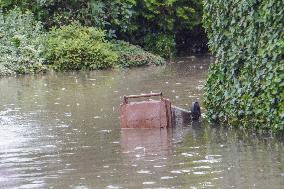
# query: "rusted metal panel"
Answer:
x=145 y=114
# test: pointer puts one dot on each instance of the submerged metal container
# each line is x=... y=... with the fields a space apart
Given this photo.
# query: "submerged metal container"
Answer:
x=145 y=114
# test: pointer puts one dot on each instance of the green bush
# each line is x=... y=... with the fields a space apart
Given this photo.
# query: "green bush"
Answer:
x=245 y=86
x=131 y=55
x=160 y=44
x=75 y=47
x=20 y=47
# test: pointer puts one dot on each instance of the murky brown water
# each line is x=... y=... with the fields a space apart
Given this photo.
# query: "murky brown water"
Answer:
x=62 y=131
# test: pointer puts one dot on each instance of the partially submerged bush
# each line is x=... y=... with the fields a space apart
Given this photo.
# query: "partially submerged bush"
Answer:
x=75 y=47
x=131 y=55
x=20 y=48
x=24 y=47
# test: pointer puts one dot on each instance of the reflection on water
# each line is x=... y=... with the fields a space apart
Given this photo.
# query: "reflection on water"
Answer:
x=62 y=131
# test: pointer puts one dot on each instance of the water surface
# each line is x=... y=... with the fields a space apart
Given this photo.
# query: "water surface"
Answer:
x=61 y=130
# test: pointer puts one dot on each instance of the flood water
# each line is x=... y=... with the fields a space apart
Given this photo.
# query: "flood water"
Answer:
x=61 y=130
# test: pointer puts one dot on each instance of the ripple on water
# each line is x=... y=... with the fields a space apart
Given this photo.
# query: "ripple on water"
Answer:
x=101 y=159
x=176 y=172
x=167 y=177
x=210 y=159
x=144 y=172
x=104 y=131
x=113 y=187
x=33 y=185
x=159 y=166
x=202 y=167
x=187 y=154
x=200 y=172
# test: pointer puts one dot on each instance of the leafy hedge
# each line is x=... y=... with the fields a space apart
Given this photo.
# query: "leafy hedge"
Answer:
x=133 y=56
x=245 y=86
x=20 y=46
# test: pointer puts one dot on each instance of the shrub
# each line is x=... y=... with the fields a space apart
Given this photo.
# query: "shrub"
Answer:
x=75 y=47
x=245 y=86
x=131 y=55
x=161 y=44
x=20 y=47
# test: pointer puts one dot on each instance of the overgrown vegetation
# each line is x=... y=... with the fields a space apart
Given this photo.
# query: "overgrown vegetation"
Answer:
x=161 y=44
x=172 y=22
x=42 y=33
x=133 y=56
x=26 y=48
x=139 y=22
x=75 y=47
x=20 y=46
x=246 y=84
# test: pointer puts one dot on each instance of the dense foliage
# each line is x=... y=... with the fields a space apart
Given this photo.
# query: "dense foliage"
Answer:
x=20 y=46
x=161 y=44
x=159 y=26
x=246 y=84
x=170 y=21
x=173 y=22
x=132 y=55
x=75 y=47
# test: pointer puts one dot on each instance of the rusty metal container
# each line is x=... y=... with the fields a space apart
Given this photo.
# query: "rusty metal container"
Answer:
x=145 y=114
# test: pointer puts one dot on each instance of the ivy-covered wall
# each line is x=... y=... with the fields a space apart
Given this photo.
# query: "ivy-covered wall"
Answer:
x=245 y=86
